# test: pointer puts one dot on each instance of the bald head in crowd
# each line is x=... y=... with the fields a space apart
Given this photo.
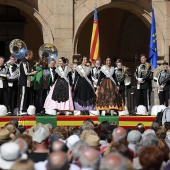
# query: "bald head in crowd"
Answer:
x=58 y=146
x=90 y=158
x=113 y=161
x=57 y=161
x=119 y=134
x=23 y=145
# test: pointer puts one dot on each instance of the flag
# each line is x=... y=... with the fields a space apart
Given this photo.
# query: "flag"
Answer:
x=153 y=54
x=94 y=47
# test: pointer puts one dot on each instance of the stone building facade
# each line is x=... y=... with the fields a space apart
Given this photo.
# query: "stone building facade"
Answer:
x=124 y=26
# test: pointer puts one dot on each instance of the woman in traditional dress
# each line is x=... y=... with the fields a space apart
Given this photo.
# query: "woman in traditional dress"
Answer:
x=84 y=94
x=60 y=96
x=108 y=96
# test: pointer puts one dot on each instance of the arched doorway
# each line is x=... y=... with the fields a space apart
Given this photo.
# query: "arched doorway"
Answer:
x=122 y=35
x=15 y=24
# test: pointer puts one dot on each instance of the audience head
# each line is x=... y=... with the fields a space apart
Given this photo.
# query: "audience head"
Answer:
x=104 y=125
x=155 y=126
x=86 y=132
x=28 y=140
x=25 y=164
x=22 y=145
x=10 y=152
x=58 y=146
x=93 y=141
x=149 y=140
x=161 y=133
x=140 y=127
x=151 y=158
x=77 y=132
x=90 y=158
x=41 y=135
x=148 y=131
x=77 y=149
x=113 y=161
x=15 y=122
x=122 y=149
x=70 y=141
x=21 y=129
x=134 y=137
x=167 y=126
x=57 y=161
x=87 y=125
x=61 y=132
x=119 y=134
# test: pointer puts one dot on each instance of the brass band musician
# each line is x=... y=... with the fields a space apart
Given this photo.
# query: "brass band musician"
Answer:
x=164 y=84
x=122 y=77
x=144 y=75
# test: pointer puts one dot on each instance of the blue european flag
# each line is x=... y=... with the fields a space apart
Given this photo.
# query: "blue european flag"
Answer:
x=153 y=54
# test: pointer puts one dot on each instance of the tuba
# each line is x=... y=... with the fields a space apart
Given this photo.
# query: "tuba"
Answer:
x=17 y=48
x=143 y=71
x=48 y=51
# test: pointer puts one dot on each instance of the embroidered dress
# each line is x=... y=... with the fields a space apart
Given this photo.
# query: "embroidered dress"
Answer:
x=84 y=94
x=108 y=96
x=60 y=97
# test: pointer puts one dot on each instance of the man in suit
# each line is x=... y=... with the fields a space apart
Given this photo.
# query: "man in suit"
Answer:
x=144 y=75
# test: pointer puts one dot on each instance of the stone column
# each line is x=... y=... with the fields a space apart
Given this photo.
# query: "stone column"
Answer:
x=64 y=28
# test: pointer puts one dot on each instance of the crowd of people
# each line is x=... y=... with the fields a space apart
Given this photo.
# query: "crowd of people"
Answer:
x=105 y=146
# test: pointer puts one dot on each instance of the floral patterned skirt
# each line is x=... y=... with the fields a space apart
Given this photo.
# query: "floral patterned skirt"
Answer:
x=108 y=96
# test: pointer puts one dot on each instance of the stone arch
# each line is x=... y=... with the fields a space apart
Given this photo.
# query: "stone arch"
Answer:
x=37 y=17
x=142 y=11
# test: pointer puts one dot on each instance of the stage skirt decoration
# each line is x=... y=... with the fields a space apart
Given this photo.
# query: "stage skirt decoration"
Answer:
x=108 y=96
x=60 y=96
x=84 y=95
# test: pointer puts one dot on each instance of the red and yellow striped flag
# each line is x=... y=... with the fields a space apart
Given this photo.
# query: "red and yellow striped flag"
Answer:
x=94 y=47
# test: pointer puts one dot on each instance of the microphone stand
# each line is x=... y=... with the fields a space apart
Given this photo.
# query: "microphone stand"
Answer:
x=134 y=85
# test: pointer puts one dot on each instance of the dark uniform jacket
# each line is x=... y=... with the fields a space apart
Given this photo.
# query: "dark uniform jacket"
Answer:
x=147 y=77
x=24 y=73
x=164 y=76
x=3 y=77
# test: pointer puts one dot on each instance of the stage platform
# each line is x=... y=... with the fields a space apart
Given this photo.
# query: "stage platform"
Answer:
x=124 y=121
